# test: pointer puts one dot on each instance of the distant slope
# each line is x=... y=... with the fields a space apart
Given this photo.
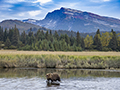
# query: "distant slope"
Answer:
x=22 y=26
x=76 y=20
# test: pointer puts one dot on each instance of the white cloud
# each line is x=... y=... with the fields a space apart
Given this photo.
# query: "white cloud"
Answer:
x=106 y=0
x=42 y=1
x=98 y=1
x=69 y=5
x=14 y=1
x=5 y=6
x=21 y=14
x=34 y=13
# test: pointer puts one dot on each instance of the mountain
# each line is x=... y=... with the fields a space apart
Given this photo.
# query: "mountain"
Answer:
x=22 y=26
x=76 y=20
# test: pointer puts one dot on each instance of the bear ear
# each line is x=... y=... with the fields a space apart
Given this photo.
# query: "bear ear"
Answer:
x=47 y=74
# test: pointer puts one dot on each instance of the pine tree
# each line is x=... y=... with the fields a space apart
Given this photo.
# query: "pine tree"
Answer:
x=42 y=36
x=7 y=43
x=99 y=45
x=82 y=43
x=67 y=39
x=51 y=46
x=113 y=42
x=1 y=33
x=78 y=39
x=50 y=33
x=56 y=35
x=98 y=32
x=47 y=36
x=10 y=34
x=31 y=39
x=63 y=45
x=72 y=40
x=15 y=37
x=23 y=37
x=5 y=35
x=30 y=32
x=97 y=42
x=51 y=36
x=56 y=45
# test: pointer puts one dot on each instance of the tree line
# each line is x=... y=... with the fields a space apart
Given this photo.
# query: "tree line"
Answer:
x=47 y=41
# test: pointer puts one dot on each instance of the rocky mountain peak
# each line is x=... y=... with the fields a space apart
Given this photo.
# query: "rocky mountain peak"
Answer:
x=76 y=20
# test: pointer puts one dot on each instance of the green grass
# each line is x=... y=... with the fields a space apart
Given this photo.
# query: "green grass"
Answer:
x=60 y=61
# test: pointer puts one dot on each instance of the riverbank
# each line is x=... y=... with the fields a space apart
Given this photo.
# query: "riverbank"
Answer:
x=83 y=53
x=59 y=61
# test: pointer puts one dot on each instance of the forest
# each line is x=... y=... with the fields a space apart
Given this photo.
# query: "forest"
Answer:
x=48 y=41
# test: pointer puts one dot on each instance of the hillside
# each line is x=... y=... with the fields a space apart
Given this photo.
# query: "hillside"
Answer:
x=22 y=26
x=76 y=20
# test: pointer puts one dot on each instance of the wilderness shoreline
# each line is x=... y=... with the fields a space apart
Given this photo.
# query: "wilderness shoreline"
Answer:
x=18 y=59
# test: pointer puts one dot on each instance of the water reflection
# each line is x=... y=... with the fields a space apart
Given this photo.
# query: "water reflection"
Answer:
x=49 y=84
x=64 y=73
x=71 y=79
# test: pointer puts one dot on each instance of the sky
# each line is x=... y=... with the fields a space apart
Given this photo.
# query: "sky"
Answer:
x=37 y=9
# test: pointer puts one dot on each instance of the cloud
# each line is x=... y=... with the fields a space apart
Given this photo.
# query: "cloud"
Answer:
x=14 y=1
x=106 y=0
x=34 y=13
x=67 y=5
x=98 y=1
x=5 y=6
x=42 y=1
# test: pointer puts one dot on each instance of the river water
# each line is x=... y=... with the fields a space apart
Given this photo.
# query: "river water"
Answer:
x=71 y=79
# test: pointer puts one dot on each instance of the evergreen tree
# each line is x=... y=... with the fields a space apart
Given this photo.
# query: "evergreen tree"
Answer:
x=45 y=44
x=78 y=39
x=23 y=37
x=51 y=46
x=98 y=32
x=7 y=43
x=56 y=45
x=10 y=34
x=113 y=42
x=51 y=36
x=118 y=41
x=62 y=37
x=31 y=38
x=50 y=33
x=47 y=36
x=5 y=35
x=30 y=32
x=72 y=40
x=63 y=45
x=37 y=35
x=15 y=37
x=67 y=39
x=82 y=43
x=99 y=45
x=56 y=35
x=1 y=34
x=42 y=36
x=97 y=42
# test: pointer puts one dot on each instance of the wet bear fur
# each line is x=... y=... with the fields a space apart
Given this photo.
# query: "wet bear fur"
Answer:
x=52 y=77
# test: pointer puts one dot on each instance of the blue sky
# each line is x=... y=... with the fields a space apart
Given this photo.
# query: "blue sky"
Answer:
x=37 y=9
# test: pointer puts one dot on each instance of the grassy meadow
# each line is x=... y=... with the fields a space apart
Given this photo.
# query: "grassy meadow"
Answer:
x=70 y=60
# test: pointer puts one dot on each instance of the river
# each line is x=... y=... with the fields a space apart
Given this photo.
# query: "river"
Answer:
x=71 y=79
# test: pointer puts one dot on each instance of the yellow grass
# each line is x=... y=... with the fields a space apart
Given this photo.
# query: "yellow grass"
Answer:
x=84 y=53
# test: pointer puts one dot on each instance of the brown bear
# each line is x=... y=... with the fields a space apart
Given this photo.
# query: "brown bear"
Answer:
x=52 y=77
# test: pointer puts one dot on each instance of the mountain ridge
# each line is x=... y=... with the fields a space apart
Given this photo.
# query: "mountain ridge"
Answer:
x=76 y=20
x=22 y=26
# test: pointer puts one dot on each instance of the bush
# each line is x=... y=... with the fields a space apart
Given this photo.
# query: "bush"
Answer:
x=52 y=61
x=13 y=47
